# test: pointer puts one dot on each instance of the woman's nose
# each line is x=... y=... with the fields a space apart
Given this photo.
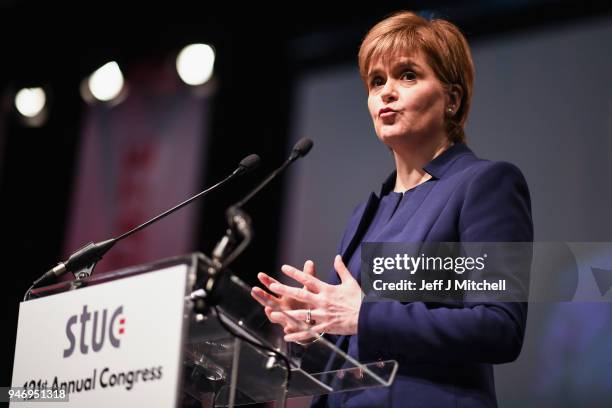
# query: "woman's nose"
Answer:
x=389 y=92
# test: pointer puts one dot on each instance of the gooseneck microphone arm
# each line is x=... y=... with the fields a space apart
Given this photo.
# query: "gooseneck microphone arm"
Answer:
x=83 y=260
x=301 y=149
x=238 y=221
x=177 y=207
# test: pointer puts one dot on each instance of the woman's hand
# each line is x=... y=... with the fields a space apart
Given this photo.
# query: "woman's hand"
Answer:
x=285 y=303
x=334 y=309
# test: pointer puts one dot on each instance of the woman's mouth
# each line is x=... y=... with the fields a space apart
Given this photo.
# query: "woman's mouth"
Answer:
x=386 y=113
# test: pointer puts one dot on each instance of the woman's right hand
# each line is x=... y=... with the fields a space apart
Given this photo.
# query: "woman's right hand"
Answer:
x=273 y=303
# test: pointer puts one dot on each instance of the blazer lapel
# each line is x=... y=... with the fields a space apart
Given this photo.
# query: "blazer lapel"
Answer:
x=362 y=226
x=415 y=200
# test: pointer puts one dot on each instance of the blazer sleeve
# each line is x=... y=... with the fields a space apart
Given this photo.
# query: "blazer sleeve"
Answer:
x=496 y=207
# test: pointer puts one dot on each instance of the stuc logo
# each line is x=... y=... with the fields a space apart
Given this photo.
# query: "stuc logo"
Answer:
x=98 y=330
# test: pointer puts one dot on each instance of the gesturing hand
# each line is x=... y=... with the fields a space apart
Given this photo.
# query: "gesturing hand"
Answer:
x=333 y=308
x=282 y=303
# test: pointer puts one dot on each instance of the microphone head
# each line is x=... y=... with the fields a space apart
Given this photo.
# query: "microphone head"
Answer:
x=302 y=147
x=250 y=162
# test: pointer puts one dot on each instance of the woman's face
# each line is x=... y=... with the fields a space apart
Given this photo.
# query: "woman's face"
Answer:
x=406 y=100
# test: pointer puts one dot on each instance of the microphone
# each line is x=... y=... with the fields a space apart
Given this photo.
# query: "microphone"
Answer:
x=239 y=221
x=300 y=149
x=246 y=165
x=93 y=252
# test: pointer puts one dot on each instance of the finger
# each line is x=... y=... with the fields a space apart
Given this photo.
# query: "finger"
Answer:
x=266 y=279
x=268 y=311
x=302 y=314
x=305 y=336
x=309 y=268
x=302 y=336
x=322 y=327
x=275 y=318
x=287 y=321
x=278 y=317
x=291 y=330
x=310 y=282
x=264 y=298
x=275 y=315
x=299 y=327
x=299 y=294
x=296 y=319
x=343 y=272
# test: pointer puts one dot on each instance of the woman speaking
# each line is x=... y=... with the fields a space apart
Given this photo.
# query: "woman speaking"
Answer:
x=419 y=76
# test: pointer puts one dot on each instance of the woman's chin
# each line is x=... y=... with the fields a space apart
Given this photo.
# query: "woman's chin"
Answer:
x=392 y=138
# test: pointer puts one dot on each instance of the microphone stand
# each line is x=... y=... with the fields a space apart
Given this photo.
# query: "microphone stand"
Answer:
x=82 y=262
x=239 y=225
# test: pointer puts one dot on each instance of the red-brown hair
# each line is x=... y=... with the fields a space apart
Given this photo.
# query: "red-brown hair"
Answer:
x=443 y=45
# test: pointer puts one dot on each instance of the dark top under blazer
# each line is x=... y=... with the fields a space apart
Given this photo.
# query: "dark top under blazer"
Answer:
x=445 y=353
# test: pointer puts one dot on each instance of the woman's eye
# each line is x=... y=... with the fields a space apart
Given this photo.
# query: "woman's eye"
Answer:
x=409 y=75
x=376 y=81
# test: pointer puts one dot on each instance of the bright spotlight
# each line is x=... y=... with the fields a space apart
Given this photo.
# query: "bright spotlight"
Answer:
x=106 y=83
x=194 y=63
x=30 y=102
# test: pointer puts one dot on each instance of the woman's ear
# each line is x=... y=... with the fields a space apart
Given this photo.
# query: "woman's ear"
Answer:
x=454 y=96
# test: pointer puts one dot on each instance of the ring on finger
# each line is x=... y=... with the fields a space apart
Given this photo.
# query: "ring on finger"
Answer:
x=308 y=317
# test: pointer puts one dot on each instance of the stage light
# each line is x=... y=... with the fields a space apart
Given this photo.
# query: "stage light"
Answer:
x=106 y=83
x=195 y=63
x=30 y=102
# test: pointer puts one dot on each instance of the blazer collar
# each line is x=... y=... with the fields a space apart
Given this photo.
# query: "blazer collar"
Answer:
x=436 y=168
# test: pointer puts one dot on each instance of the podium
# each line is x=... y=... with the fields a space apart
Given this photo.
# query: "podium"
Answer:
x=173 y=333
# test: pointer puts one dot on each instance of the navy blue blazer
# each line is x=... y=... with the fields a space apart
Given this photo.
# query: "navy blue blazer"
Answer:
x=445 y=353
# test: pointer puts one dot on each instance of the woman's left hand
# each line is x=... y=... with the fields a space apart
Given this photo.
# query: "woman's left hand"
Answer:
x=335 y=308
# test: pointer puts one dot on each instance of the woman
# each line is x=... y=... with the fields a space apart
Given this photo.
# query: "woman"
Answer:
x=419 y=76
